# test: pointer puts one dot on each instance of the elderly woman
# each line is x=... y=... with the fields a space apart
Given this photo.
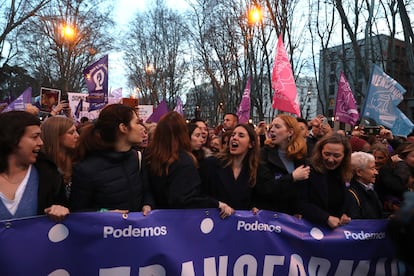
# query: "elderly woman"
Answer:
x=363 y=201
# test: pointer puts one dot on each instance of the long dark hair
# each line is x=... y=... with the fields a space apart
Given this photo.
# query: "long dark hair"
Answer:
x=252 y=157
x=103 y=134
x=13 y=126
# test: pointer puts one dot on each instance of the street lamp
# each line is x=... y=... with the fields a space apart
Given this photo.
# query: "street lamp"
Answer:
x=68 y=32
x=254 y=15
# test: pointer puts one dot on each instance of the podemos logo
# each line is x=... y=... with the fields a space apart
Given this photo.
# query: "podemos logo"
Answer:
x=134 y=232
x=257 y=226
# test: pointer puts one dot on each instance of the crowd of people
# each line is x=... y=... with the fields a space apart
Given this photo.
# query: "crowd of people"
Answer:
x=117 y=163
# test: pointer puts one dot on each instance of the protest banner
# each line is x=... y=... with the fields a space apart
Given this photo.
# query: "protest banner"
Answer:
x=193 y=242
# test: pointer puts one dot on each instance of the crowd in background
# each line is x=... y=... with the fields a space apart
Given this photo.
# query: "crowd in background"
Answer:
x=118 y=163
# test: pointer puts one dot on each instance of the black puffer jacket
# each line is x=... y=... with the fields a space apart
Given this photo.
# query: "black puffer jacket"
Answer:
x=109 y=180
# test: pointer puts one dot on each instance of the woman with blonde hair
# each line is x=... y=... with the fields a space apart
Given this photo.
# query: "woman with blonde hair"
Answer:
x=60 y=140
x=173 y=175
x=282 y=166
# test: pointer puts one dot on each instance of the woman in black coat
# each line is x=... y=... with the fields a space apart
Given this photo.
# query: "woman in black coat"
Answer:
x=108 y=175
x=323 y=197
x=282 y=167
x=173 y=170
x=231 y=176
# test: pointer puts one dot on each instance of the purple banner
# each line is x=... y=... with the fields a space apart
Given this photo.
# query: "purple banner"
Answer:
x=193 y=242
x=20 y=102
x=161 y=109
x=96 y=78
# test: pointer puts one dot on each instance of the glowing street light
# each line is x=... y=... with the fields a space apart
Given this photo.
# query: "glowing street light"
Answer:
x=255 y=15
x=68 y=32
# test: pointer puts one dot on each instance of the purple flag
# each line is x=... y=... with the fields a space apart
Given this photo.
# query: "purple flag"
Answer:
x=78 y=110
x=20 y=102
x=179 y=106
x=244 y=108
x=346 y=108
x=96 y=78
x=117 y=93
x=161 y=109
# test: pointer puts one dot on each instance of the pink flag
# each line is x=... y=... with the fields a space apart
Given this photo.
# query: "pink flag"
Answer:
x=345 y=108
x=244 y=108
x=283 y=83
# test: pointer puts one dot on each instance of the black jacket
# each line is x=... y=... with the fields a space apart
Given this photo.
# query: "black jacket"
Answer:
x=323 y=195
x=181 y=188
x=362 y=204
x=219 y=182
x=51 y=188
x=110 y=180
x=275 y=189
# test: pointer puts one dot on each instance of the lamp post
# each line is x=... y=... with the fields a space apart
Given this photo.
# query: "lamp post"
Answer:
x=254 y=18
x=68 y=36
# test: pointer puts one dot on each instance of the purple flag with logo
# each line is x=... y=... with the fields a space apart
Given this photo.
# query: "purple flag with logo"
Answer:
x=96 y=78
x=244 y=108
x=345 y=108
x=179 y=106
x=161 y=109
x=20 y=102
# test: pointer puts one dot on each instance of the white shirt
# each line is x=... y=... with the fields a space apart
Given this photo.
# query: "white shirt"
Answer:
x=13 y=204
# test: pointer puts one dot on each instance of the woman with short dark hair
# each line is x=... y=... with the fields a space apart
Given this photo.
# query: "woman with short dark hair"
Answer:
x=26 y=189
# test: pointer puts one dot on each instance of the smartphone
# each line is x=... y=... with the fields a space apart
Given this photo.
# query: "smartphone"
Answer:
x=372 y=130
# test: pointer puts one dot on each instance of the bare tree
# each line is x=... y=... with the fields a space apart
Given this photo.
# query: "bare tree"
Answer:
x=14 y=15
x=321 y=26
x=155 y=54
x=408 y=37
x=64 y=38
